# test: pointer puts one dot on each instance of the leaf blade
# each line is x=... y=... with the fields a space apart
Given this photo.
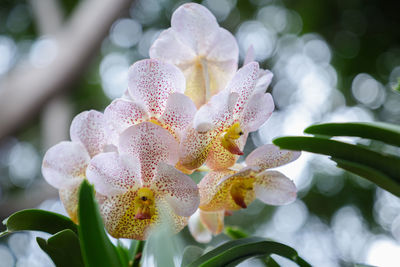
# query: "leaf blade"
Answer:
x=236 y=251
x=63 y=248
x=38 y=220
x=97 y=249
x=387 y=164
x=385 y=132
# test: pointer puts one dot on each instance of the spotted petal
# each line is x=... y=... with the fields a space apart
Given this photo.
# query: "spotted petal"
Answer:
x=151 y=81
x=257 y=111
x=178 y=189
x=196 y=26
x=274 y=188
x=270 y=156
x=179 y=113
x=208 y=185
x=123 y=113
x=218 y=112
x=89 y=128
x=151 y=144
x=243 y=83
x=113 y=174
x=64 y=164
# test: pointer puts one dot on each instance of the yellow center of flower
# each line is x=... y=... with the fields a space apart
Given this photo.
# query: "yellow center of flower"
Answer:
x=240 y=190
x=228 y=139
x=155 y=121
x=144 y=204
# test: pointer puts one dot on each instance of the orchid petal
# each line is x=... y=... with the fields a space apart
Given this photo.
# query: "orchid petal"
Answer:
x=194 y=148
x=64 y=164
x=118 y=214
x=270 y=156
x=224 y=48
x=198 y=230
x=89 y=128
x=213 y=220
x=168 y=47
x=244 y=83
x=219 y=158
x=274 y=188
x=123 y=113
x=113 y=174
x=196 y=26
x=208 y=185
x=151 y=144
x=178 y=189
x=69 y=198
x=179 y=112
x=263 y=81
x=249 y=57
x=217 y=112
x=151 y=81
x=257 y=111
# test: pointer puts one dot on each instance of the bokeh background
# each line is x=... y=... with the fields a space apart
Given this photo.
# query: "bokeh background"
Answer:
x=332 y=61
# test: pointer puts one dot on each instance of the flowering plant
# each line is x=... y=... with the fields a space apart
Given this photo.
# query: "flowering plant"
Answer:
x=188 y=110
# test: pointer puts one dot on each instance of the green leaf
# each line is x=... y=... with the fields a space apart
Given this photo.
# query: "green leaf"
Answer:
x=136 y=251
x=234 y=232
x=63 y=248
x=38 y=220
x=386 y=164
x=372 y=175
x=234 y=252
x=385 y=132
x=97 y=249
x=191 y=253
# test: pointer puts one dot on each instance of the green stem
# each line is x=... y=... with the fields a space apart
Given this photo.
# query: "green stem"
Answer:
x=137 y=254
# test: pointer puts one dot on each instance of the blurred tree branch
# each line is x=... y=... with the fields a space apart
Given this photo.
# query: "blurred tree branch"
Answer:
x=27 y=88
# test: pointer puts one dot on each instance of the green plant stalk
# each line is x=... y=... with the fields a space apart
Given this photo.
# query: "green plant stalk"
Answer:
x=137 y=254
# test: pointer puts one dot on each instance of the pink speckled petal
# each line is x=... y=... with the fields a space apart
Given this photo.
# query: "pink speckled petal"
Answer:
x=198 y=230
x=218 y=112
x=123 y=113
x=208 y=186
x=89 y=128
x=151 y=144
x=194 y=148
x=213 y=220
x=270 y=156
x=151 y=81
x=168 y=47
x=113 y=174
x=178 y=189
x=64 y=164
x=257 y=111
x=274 y=188
x=196 y=26
x=243 y=83
x=179 y=112
x=219 y=158
x=263 y=81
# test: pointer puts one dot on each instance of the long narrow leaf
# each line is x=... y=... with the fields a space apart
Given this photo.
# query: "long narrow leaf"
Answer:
x=372 y=175
x=97 y=249
x=234 y=252
x=386 y=164
x=385 y=132
x=38 y=220
x=63 y=248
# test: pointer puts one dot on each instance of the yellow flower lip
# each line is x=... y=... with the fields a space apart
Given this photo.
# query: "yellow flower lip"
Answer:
x=239 y=191
x=144 y=202
x=228 y=139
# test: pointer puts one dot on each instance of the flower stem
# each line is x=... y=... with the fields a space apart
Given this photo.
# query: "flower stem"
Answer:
x=137 y=253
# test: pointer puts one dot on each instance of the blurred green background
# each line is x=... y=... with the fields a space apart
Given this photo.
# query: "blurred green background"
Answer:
x=332 y=61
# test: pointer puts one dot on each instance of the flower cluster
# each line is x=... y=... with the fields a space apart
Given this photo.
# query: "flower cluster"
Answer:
x=185 y=108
